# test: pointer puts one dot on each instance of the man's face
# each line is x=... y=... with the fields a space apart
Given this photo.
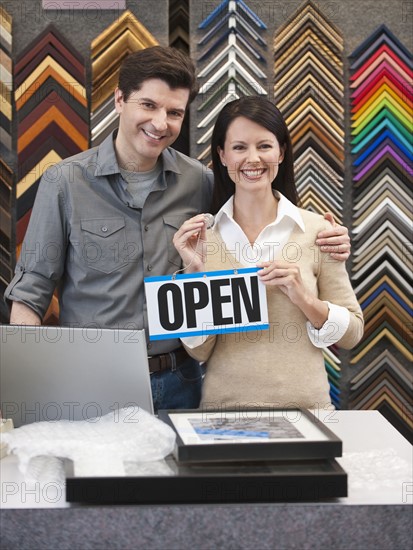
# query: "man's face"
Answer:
x=149 y=121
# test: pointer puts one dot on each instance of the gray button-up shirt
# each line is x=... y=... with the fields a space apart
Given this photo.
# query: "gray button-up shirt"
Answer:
x=85 y=238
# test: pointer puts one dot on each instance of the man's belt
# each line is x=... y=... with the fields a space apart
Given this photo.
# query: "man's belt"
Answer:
x=166 y=361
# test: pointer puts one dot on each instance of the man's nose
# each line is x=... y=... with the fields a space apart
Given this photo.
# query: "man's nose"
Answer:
x=159 y=120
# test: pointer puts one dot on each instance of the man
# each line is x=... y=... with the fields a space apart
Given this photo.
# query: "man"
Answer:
x=104 y=219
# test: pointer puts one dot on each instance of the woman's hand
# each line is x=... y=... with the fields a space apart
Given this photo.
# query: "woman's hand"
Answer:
x=288 y=279
x=336 y=240
x=190 y=242
x=286 y=276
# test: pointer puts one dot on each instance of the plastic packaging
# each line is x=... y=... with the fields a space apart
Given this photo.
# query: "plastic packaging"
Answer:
x=376 y=468
x=98 y=446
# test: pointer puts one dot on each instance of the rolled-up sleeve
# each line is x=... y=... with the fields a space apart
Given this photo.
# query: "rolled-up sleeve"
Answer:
x=335 y=288
x=333 y=329
x=43 y=253
x=202 y=349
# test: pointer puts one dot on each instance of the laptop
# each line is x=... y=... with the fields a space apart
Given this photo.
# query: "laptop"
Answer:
x=56 y=373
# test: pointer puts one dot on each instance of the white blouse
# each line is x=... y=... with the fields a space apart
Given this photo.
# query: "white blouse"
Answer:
x=269 y=242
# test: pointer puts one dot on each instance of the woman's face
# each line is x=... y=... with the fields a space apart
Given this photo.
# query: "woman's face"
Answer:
x=251 y=153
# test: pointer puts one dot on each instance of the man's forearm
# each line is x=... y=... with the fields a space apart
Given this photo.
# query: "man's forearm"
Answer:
x=23 y=315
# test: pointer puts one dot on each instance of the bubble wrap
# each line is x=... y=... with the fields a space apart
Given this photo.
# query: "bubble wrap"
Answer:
x=376 y=468
x=98 y=446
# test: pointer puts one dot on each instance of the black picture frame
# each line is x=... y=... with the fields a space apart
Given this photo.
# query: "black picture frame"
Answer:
x=225 y=482
x=205 y=435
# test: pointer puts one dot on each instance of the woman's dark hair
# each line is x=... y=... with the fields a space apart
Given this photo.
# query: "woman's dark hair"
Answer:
x=166 y=63
x=266 y=114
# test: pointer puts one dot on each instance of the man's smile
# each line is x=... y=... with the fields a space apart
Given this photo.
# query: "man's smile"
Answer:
x=152 y=136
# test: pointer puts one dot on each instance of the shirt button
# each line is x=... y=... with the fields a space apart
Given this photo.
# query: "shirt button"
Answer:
x=146 y=227
x=104 y=229
x=149 y=346
x=149 y=268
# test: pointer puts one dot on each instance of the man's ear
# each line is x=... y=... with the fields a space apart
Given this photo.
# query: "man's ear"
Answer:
x=119 y=101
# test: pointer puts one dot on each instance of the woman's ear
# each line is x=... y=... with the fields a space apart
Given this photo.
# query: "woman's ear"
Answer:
x=221 y=156
x=282 y=153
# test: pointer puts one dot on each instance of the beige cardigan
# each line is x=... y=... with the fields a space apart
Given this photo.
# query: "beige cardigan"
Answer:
x=279 y=367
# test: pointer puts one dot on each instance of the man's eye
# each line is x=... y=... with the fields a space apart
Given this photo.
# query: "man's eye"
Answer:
x=147 y=105
x=176 y=114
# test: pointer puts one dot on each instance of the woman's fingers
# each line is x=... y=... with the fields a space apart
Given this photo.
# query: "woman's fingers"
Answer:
x=278 y=274
x=190 y=241
x=189 y=229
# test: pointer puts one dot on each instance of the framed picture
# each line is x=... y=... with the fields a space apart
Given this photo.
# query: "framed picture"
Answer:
x=213 y=482
x=250 y=434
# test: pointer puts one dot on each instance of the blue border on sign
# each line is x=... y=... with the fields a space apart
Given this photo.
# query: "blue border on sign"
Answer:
x=201 y=274
x=265 y=326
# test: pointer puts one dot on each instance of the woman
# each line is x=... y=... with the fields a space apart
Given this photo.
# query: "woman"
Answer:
x=311 y=303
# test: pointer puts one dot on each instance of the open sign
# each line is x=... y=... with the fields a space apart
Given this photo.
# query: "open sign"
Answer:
x=213 y=302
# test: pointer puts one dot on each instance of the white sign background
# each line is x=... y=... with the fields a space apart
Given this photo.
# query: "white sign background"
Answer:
x=204 y=317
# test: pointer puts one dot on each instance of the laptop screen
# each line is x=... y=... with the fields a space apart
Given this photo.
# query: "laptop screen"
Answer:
x=55 y=373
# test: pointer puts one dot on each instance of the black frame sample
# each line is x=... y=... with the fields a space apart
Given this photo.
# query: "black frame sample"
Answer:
x=280 y=481
x=328 y=448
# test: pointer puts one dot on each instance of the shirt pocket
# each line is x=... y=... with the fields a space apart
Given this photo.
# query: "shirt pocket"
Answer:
x=171 y=225
x=104 y=243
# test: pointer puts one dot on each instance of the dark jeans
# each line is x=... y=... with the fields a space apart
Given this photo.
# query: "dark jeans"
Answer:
x=178 y=389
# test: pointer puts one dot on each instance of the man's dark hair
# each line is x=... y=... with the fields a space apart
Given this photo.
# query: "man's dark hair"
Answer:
x=166 y=63
x=266 y=114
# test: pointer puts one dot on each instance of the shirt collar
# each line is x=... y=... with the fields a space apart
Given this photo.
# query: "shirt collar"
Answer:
x=107 y=163
x=226 y=210
x=169 y=161
x=285 y=209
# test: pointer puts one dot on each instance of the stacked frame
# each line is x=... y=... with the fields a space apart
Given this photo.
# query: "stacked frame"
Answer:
x=382 y=148
x=108 y=50
x=309 y=91
x=233 y=64
x=8 y=157
x=179 y=39
x=52 y=118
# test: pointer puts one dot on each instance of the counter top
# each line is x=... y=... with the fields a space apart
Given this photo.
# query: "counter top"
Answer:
x=376 y=514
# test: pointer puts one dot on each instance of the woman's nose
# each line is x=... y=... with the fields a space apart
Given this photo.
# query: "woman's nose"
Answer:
x=253 y=155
